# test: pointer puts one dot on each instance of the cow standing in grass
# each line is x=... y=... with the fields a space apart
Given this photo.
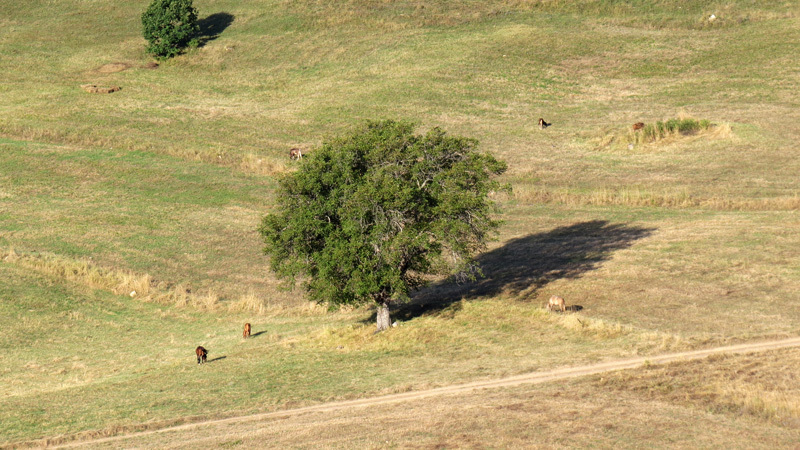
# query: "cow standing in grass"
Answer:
x=638 y=126
x=557 y=303
x=201 y=355
x=246 y=333
x=295 y=154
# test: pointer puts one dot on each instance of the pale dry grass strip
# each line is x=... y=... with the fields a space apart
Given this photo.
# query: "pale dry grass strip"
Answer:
x=261 y=306
x=83 y=271
x=249 y=163
x=605 y=329
x=144 y=287
x=636 y=197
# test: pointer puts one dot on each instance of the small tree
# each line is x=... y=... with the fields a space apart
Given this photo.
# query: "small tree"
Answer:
x=368 y=215
x=169 y=26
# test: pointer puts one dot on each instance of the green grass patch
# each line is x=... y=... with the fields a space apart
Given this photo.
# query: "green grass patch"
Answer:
x=93 y=360
x=686 y=241
x=142 y=212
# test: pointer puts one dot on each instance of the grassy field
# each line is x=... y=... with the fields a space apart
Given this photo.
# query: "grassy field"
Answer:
x=731 y=402
x=158 y=188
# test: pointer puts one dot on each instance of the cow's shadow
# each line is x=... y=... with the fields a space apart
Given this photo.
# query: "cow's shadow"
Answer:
x=212 y=26
x=216 y=359
x=257 y=334
x=524 y=265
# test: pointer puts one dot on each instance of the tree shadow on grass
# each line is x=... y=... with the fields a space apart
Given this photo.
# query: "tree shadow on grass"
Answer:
x=524 y=265
x=212 y=26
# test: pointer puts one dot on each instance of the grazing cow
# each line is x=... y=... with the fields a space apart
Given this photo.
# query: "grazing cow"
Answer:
x=543 y=124
x=201 y=355
x=246 y=333
x=638 y=126
x=557 y=303
x=295 y=154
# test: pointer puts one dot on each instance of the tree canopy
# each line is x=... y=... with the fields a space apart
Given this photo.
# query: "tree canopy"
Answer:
x=370 y=214
x=169 y=26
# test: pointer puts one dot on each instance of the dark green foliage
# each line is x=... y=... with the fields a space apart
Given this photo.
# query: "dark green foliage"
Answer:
x=368 y=215
x=169 y=27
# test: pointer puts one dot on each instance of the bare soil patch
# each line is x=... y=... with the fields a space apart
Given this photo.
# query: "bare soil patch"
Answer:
x=95 y=89
x=113 y=67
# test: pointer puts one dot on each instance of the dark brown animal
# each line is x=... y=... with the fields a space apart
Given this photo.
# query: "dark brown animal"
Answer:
x=295 y=154
x=246 y=333
x=201 y=355
x=543 y=124
x=556 y=302
x=638 y=126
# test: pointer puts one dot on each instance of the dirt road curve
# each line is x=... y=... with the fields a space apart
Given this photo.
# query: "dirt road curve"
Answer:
x=531 y=378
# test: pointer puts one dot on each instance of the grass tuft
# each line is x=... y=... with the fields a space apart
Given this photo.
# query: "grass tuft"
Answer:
x=672 y=128
x=661 y=133
x=593 y=327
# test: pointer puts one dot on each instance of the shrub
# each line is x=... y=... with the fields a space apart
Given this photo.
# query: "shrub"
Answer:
x=169 y=27
x=672 y=125
x=661 y=129
x=655 y=131
x=688 y=126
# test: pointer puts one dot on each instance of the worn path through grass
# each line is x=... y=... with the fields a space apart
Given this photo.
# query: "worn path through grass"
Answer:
x=185 y=432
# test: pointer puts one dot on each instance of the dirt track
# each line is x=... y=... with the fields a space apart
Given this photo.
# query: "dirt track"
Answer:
x=531 y=378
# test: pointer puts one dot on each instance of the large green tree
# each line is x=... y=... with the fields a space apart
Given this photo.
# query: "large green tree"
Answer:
x=370 y=214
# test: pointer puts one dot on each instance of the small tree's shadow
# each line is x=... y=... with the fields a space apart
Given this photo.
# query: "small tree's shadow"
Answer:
x=524 y=265
x=212 y=26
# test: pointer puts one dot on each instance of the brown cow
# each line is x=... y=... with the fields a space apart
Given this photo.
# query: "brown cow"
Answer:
x=556 y=302
x=295 y=154
x=638 y=126
x=201 y=355
x=543 y=124
x=246 y=333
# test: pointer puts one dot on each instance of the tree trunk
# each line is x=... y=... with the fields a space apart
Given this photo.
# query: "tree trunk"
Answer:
x=384 y=321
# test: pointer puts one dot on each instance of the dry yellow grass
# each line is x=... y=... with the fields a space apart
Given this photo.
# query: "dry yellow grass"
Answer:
x=143 y=287
x=683 y=242
x=639 y=197
x=760 y=385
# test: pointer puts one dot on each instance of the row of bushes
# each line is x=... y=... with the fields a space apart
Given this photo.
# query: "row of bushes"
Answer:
x=659 y=130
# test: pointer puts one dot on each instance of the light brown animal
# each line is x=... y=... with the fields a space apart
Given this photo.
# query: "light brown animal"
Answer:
x=201 y=355
x=556 y=302
x=246 y=333
x=638 y=126
x=543 y=124
x=295 y=153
